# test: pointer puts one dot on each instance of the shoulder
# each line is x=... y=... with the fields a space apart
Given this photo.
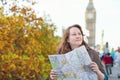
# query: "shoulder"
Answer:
x=92 y=51
x=93 y=54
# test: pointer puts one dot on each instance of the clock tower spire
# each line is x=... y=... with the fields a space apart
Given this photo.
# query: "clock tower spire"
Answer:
x=90 y=16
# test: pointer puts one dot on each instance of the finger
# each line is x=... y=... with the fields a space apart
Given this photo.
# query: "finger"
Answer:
x=53 y=72
x=94 y=66
x=53 y=77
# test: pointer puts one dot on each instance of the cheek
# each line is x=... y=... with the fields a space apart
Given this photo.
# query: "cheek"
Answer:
x=70 y=39
x=81 y=40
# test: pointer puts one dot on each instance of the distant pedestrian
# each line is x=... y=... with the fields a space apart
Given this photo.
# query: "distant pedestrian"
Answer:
x=108 y=61
x=117 y=60
x=113 y=55
x=117 y=56
x=103 y=54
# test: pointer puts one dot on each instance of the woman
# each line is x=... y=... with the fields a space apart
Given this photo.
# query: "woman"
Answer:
x=73 y=38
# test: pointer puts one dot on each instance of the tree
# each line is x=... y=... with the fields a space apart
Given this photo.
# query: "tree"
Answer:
x=26 y=41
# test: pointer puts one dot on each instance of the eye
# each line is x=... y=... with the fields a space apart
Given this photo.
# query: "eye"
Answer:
x=79 y=33
x=73 y=34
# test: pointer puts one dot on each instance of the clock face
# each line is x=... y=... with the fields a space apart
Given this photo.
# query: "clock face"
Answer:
x=90 y=15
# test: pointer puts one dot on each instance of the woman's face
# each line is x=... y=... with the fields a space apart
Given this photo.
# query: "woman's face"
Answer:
x=75 y=37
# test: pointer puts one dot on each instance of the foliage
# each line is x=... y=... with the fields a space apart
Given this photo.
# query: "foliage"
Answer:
x=25 y=43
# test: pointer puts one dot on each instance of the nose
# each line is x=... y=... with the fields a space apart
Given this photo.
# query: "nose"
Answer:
x=77 y=36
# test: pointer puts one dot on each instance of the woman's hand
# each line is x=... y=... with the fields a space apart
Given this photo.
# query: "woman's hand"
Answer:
x=53 y=75
x=94 y=68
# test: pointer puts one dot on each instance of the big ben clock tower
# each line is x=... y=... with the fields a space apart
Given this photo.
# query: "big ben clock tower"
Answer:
x=90 y=16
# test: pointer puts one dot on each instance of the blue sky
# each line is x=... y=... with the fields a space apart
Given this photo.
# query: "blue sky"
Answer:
x=67 y=12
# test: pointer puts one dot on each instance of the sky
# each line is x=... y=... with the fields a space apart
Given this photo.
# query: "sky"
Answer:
x=64 y=13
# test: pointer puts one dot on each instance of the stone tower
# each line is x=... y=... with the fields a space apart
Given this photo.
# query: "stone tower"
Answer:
x=90 y=16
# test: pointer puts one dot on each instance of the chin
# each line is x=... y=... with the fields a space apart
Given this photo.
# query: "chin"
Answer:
x=78 y=45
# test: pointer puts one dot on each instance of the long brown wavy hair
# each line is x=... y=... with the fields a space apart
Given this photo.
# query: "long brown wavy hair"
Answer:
x=65 y=47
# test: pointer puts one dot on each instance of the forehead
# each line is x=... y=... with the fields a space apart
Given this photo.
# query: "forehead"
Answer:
x=74 y=29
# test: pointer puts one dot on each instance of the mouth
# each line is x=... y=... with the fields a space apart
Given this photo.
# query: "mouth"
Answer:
x=77 y=40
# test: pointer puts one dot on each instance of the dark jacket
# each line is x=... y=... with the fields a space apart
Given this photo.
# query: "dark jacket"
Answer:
x=95 y=58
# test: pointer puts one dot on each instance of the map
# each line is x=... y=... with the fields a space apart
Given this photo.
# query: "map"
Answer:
x=73 y=65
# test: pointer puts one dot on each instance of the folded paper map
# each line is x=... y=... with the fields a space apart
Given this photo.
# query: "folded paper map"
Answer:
x=73 y=65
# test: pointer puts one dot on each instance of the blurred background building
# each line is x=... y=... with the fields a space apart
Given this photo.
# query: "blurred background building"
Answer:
x=90 y=16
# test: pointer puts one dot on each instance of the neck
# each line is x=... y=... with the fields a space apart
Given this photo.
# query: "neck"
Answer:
x=73 y=47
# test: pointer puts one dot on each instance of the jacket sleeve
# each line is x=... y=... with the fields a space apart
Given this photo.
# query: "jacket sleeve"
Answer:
x=95 y=57
x=105 y=76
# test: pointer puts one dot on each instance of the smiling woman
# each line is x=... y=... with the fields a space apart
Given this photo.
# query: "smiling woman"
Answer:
x=73 y=38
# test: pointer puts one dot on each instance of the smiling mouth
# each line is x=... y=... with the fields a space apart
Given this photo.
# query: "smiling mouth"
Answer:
x=77 y=40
